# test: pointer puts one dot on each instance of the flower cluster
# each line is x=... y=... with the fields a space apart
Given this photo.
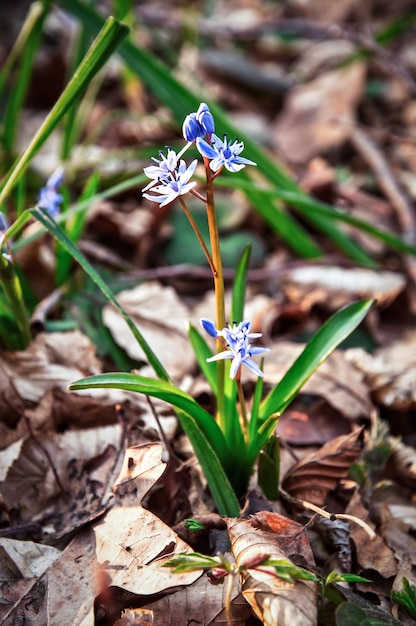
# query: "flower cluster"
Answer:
x=170 y=176
x=236 y=338
x=49 y=198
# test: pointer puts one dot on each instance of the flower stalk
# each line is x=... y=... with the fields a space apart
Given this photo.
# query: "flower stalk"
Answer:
x=218 y=288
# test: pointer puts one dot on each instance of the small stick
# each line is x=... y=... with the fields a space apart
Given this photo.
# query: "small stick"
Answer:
x=331 y=516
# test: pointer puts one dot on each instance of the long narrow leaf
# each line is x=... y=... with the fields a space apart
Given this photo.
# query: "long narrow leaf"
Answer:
x=202 y=353
x=203 y=432
x=112 y=33
x=164 y=391
x=48 y=222
x=332 y=333
x=18 y=93
x=239 y=286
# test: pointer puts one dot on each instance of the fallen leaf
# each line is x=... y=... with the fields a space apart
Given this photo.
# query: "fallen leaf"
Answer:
x=273 y=600
x=64 y=593
x=319 y=115
x=390 y=372
x=401 y=464
x=22 y=563
x=360 y=612
x=291 y=536
x=319 y=473
x=67 y=478
x=336 y=380
x=160 y=316
x=370 y=553
x=125 y=548
x=338 y=286
x=202 y=602
x=311 y=421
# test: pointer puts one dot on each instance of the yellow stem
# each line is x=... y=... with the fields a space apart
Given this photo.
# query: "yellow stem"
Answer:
x=218 y=288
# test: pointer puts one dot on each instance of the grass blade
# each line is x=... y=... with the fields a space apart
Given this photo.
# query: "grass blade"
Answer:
x=48 y=222
x=104 y=45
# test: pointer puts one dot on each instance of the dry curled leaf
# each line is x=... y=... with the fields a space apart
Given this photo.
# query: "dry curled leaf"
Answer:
x=126 y=548
x=390 y=372
x=290 y=535
x=273 y=600
x=319 y=115
x=66 y=478
x=199 y=603
x=319 y=473
x=160 y=316
x=337 y=381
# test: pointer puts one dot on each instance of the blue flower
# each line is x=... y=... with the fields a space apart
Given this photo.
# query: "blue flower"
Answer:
x=165 y=166
x=49 y=198
x=173 y=185
x=223 y=153
x=198 y=124
x=239 y=348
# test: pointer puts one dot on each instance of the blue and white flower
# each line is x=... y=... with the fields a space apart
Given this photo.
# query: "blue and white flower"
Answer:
x=239 y=348
x=198 y=124
x=223 y=153
x=173 y=184
x=165 y=166
x=49 y=198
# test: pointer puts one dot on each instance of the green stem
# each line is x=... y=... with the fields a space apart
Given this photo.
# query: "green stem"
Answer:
x=218 y=287
x=243 y=408
x=13 y=290
x=197 y=233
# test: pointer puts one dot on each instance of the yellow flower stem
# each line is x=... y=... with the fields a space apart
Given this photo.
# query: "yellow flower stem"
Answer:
x=197 y=233
x=218 y=288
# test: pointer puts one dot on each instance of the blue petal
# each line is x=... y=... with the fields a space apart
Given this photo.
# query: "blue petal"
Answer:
x=209 y=327
x=205 y=149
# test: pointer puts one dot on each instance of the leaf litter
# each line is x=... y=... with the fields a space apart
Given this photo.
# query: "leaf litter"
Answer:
x=76 y=544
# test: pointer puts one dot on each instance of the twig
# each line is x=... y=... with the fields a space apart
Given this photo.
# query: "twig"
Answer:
x=388 y=183
x=331 y=516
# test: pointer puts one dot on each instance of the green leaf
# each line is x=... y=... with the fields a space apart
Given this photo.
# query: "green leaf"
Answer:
x=363 y=613
x=33 y=33
x=50 y=225
x=191 y=562
x=406 y=598
x=202 y=353
x=202 y=430
x=332 y=333
x=239 y=286
x=108 y=39
x=269 y=469
x=164 y=391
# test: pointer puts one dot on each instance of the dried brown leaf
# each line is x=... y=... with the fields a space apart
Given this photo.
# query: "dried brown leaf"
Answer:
x=319 y=473
x=291 y=536
x=126 y=548
x=401 y=464
x=64 y=593
x=160 y=315
x=319 y=115
x=390 y=372
x=67 y=478
x=273 y=600
x=202 y=602
x=370 y=554
x=339 y=383
x=338 y=285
